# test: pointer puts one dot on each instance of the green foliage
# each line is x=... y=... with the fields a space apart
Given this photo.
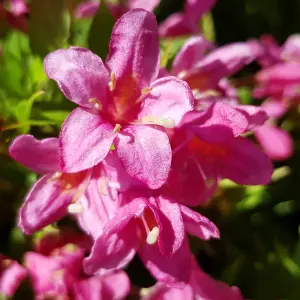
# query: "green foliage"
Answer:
x=100 y=31
x=49 y=25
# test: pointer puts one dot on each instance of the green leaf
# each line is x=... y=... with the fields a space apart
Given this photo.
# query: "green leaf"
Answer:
x=208 y=27
x=100 y=31
x=49 y=25
x=22 y=111
x=55 y=115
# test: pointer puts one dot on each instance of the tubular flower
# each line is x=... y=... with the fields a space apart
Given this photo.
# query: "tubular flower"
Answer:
x=212 y=148
x=88 y=9
x=206 y=72
x=59 y=274
x=200 y=286
x=186 y=22
x=155 y=228
x=279 y=79
x=121 y=102
x=11 y=276
x=55 y=193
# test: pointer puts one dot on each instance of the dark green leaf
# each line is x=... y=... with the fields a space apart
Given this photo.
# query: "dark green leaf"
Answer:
x=49 y=25
x=100 y=31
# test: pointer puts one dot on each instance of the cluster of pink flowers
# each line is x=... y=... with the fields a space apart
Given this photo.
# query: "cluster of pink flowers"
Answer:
x=142 y=148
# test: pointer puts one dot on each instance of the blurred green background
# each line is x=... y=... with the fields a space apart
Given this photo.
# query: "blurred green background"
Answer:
x=259 y=250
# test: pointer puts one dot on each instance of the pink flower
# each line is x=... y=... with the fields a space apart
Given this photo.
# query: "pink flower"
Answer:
x=200 y=286
x=205 y=72
x=280 y=82
x=55 y=193
x=186 y=22
x=155 y=228
x=210 y=148
x=121 y=103
x=88 y=9
x=276 y=142
x=11 y=275
x=59 y=274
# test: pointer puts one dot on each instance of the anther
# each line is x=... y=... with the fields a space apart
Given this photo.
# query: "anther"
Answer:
x=112 y=83
x=56 y=175
x=75 y=208
x=146 y=91
x=96 y=104
x=167 y=122
x=182 y=74
x=152 y=236
x=117 y=128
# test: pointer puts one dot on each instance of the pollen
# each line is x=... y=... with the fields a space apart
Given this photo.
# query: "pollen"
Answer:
x=112 y=84
x=117 y=128
x=56 y=175
x=152 y=236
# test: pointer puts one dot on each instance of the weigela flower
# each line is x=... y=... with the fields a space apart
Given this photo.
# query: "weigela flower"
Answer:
x=208 y=147
x=59 y=275
x=206 y=72
x=279 y=79
x=89 y=8
x=55 y=193
x=121 y=102
x=154 y=227
x=11 y=276
x=200 y=286
x=186 y=22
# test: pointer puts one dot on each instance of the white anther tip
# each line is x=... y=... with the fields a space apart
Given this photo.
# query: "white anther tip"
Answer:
x=152 y=236
x=75 y=208
x=167 y=122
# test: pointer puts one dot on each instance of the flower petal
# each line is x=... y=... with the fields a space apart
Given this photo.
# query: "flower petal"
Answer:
x=291 y=48
x=222 y=62
x=175 y=25
x=220 y=122
x=170 y=98
x=118 y=244
x=245 y=163
x=80 y=74
x=276 y=142
x=41 y=156
x=198 y=225
x=85 y=139
x=145 y=4
x=11 y=276
x=97 y=213
x=190 y=53
x=45 y=203
x=171 y=226
x=134 y=47
x=194 y=9
x=174 y=270
x=146 y=154
x=115 y=285
x=86 y=9
x=191 y=181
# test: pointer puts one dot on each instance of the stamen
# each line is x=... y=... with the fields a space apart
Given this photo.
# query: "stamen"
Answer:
x=182 y=74
x=145 y=224
x=152 y=236
x=117 y=128
x=147 y=90
x=96 y=104
x=112 y=84
x=75 y=208
x=57 y=175
x=167 y=122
